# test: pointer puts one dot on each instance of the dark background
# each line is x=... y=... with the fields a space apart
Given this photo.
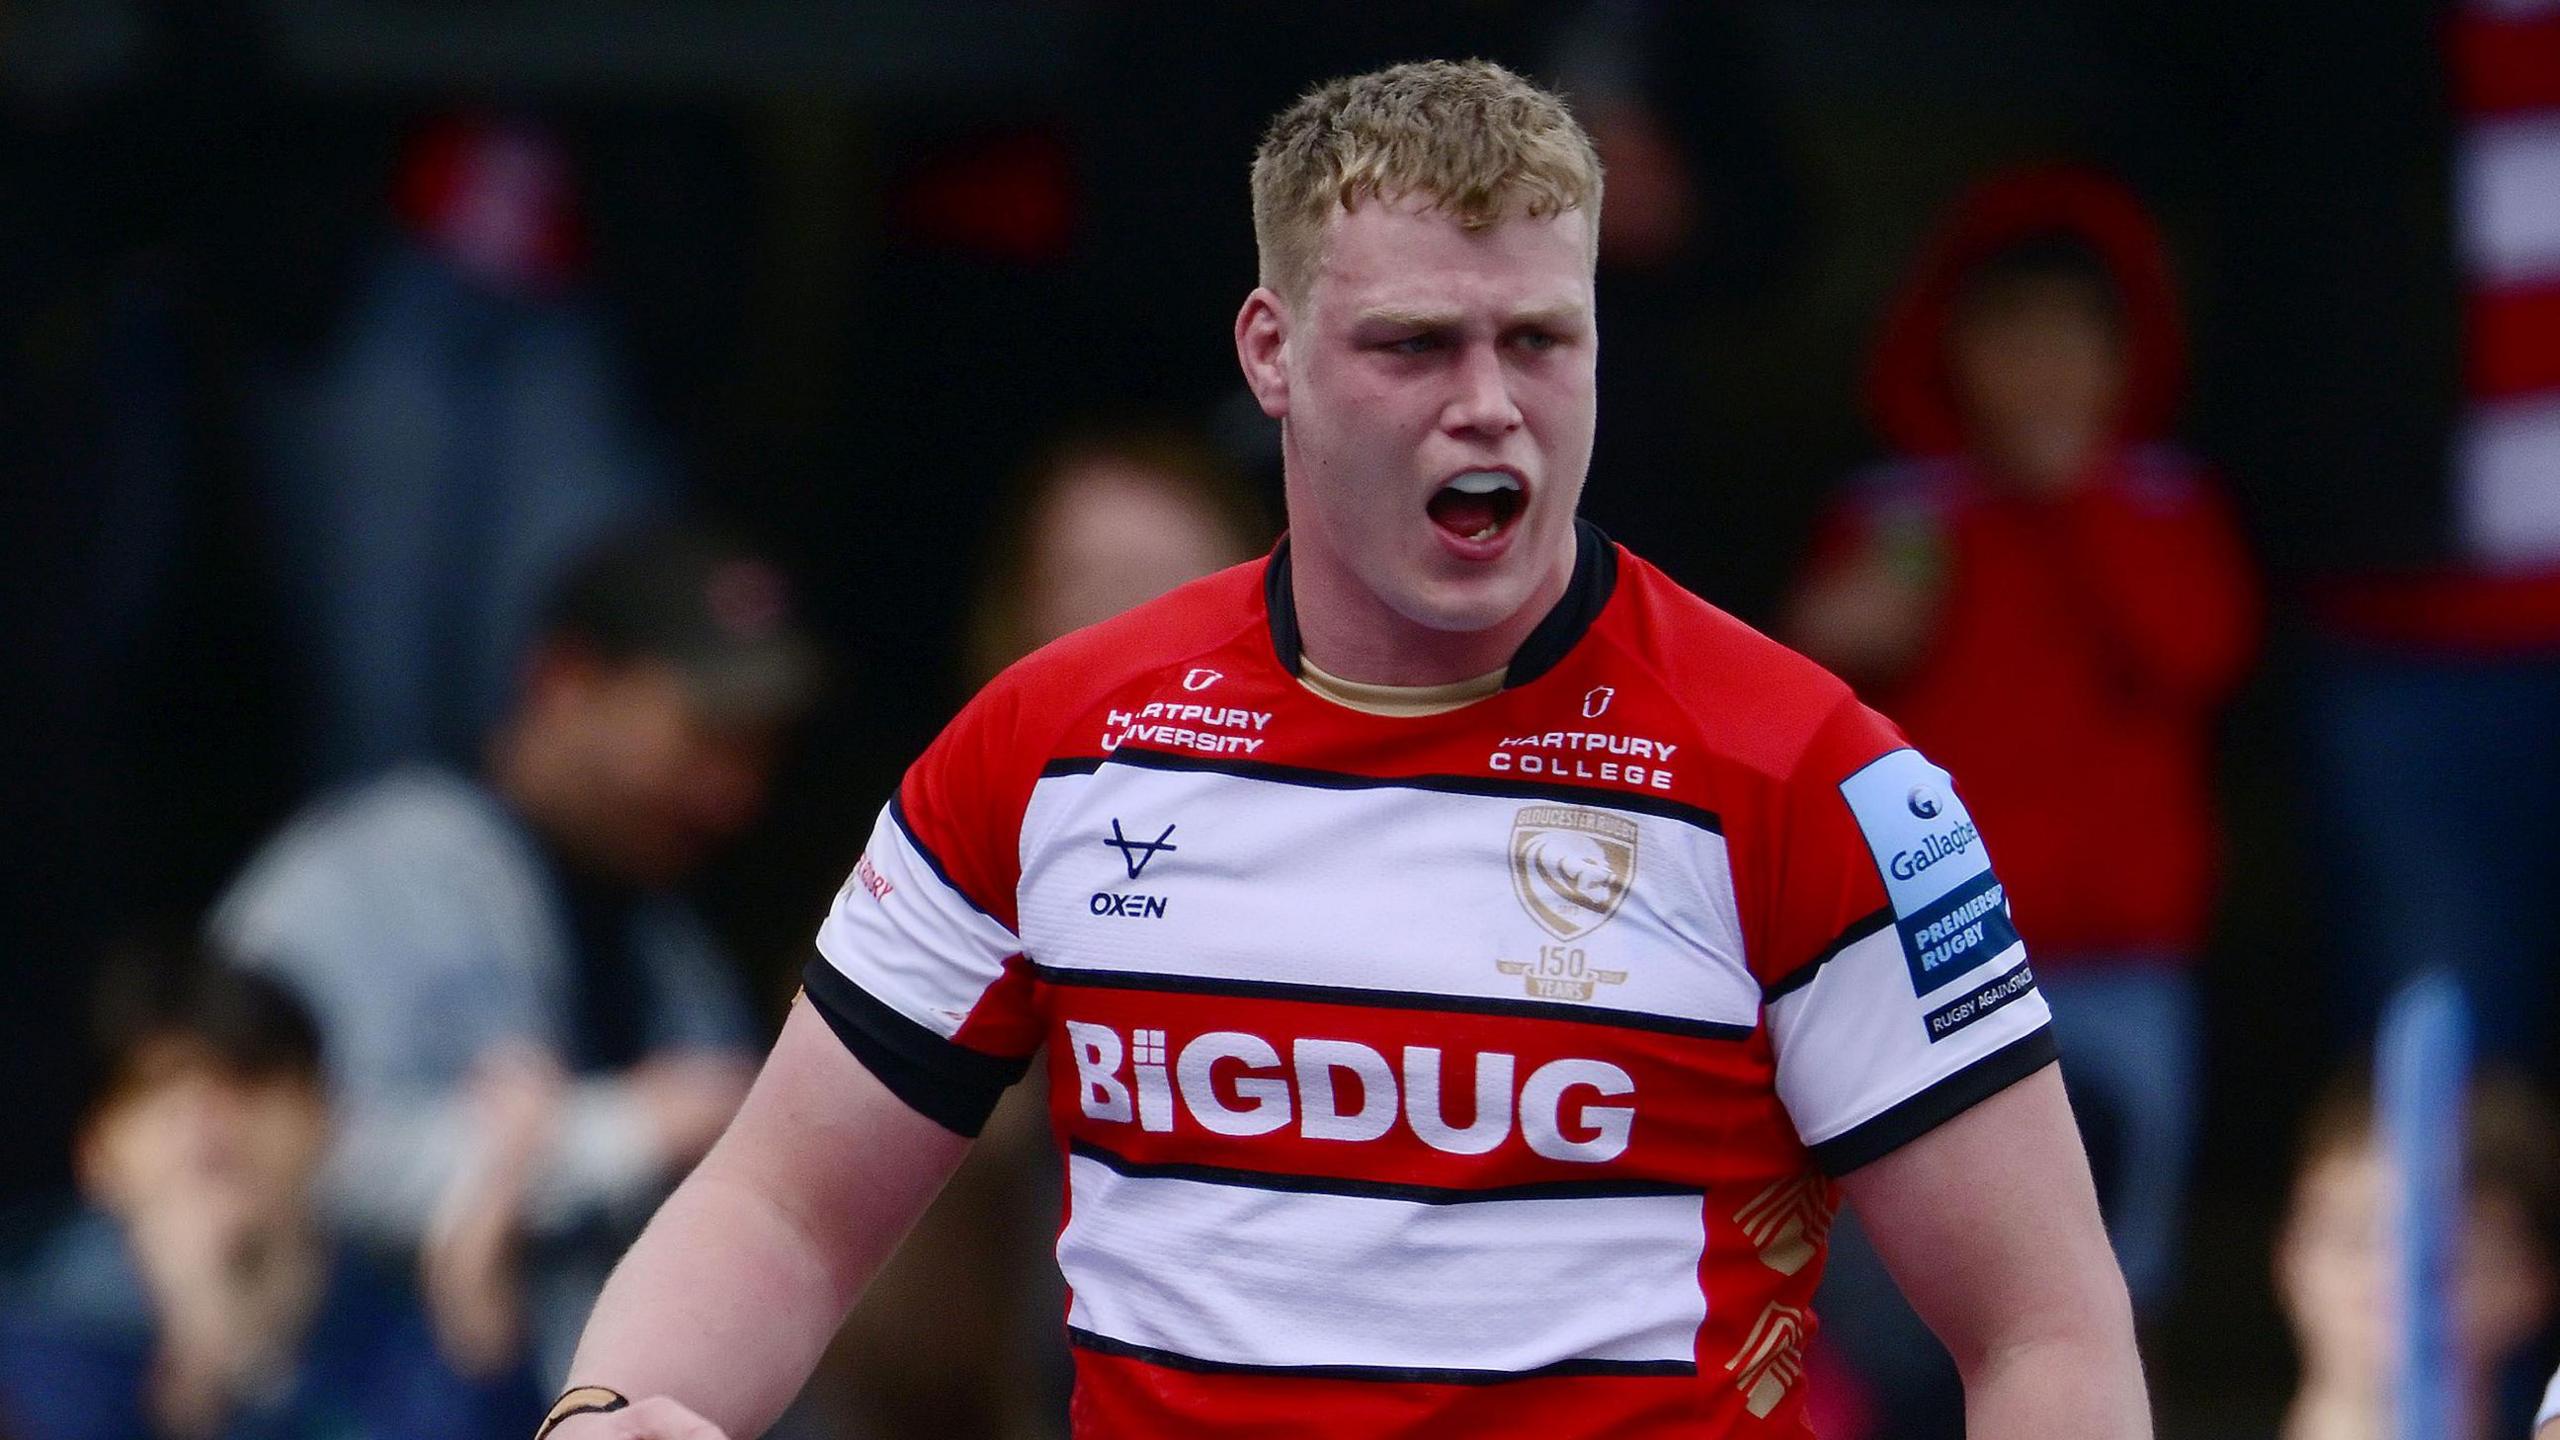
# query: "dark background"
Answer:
x=863 y=258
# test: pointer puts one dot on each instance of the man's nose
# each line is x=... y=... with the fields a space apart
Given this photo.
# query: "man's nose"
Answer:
x=1483 y=403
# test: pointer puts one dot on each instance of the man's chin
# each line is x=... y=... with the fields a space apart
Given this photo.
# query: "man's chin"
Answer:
x=1468 y=604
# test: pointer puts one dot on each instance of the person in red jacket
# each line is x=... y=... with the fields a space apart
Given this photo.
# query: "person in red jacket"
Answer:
x=2044 y=594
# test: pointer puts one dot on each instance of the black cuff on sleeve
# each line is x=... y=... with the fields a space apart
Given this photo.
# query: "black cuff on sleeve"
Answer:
x=1938 y=1104
x=944 y=1081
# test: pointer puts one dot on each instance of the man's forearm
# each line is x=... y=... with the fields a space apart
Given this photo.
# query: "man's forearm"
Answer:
x=724 y=1303
x=727 y=1298
x=2081 y=1385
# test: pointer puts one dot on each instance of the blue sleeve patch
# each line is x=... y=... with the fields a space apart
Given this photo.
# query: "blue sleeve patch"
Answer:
x=1949 y=908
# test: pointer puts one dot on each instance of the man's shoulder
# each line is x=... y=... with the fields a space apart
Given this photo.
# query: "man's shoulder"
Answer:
x=410 y=833
x=1753 y=702
x=397 y=803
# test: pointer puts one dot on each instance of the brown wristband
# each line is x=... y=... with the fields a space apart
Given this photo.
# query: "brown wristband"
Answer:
x=583 y=1400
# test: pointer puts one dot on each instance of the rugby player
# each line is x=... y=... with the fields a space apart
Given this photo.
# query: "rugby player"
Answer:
x=1470 y=969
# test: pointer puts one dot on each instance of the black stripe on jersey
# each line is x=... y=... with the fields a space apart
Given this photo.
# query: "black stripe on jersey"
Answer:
x=1938 y=1104
x=1595 y=579
x=1489 y=786
x=1084 y=1339
x=1801 y=976
x=933 y=862
x=1395 y=1000
x=1293 y=1184
x=1280 y=604
x=943 y=1080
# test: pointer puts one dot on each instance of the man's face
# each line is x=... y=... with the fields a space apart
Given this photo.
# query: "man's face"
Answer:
x=2039 y=371
x=186 y=1130
x=660 y=782
x=1436 y=386
x=1112 y=534
x=2334 y=1261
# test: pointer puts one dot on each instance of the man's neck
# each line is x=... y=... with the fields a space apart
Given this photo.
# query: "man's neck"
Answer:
x=1348 y=632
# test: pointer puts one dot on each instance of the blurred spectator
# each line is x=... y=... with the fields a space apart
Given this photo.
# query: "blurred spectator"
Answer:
x=464 y=435
x=2435 y=684
x=1107 y=518
x=959 y=1333
x=2333 y=1261
x=482 y=946
x=203 y=1295
x=2053 y=603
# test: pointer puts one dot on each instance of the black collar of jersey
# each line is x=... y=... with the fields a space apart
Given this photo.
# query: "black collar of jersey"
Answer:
x=1595 y=579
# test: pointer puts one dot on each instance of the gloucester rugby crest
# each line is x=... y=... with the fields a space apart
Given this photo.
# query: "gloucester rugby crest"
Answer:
x=1571 y=867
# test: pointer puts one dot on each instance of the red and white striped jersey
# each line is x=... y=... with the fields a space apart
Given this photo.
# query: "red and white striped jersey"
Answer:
x=1474 y=1073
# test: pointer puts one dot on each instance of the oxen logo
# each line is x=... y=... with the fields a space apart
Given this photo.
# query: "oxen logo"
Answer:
x=1136 y=853
x=1571 y=867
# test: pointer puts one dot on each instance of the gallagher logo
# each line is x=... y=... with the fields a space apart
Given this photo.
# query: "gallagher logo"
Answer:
x=1933 y=850
x=1924 y=802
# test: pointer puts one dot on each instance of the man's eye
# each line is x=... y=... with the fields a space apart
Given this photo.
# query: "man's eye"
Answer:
x=1415 y=344
x=1536 y=340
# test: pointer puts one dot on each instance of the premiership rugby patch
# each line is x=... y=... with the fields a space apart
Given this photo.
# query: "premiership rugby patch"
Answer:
x=1948 y=907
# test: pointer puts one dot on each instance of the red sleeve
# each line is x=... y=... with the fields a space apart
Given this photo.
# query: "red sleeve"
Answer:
x=963 y=799
x=1817 y=893
x=919 y=967
x=1894 y=987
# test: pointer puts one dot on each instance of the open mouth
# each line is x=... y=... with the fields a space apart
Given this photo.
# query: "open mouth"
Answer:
x=1478 y=504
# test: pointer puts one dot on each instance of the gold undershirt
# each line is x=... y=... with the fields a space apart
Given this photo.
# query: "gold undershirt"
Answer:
x=1399 y=701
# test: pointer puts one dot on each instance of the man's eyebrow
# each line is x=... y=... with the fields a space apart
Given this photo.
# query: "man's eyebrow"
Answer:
x=1404 y=319
x=1558 y=314
x=1561 y=313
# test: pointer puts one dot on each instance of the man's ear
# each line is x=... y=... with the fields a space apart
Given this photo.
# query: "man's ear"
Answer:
x=1262 y=350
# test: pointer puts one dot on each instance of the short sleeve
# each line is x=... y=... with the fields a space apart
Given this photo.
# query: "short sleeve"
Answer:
x=919 y=969
x=1898 y=994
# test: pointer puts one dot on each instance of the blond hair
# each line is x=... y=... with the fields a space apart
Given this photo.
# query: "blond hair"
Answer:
x=1475 y=139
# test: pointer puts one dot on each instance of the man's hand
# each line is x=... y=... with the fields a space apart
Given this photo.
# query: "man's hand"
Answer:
x=1870 y=617
x=468 y=1267
x=656 y=1418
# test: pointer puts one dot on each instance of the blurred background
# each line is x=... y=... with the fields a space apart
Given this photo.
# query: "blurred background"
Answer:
x=877 y=342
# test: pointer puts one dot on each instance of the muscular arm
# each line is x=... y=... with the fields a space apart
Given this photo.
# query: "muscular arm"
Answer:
x=727 y=1299
x=1990 y=1225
